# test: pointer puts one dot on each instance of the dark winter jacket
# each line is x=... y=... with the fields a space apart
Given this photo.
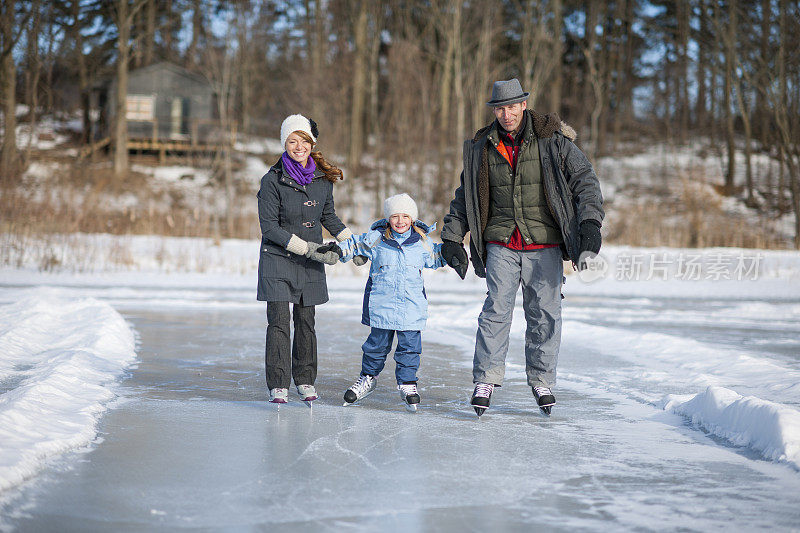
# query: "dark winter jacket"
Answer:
x=516 y=194
x=570 y=185
x=286 y=208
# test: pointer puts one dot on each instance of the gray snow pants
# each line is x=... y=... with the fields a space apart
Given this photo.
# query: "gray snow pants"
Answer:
x=541 y=273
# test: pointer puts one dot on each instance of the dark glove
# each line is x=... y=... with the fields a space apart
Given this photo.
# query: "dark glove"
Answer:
x=330 y=247
x=360 y=260
x=324 y=253
x=456 y=257
x=590 y=236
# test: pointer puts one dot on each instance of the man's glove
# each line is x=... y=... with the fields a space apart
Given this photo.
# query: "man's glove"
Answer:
x=456 y=257
x=324 y=253
x=360 y=260
x=590 y=236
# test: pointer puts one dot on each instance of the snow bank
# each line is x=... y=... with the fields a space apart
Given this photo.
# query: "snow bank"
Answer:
x=60 y=359
x=770 y=428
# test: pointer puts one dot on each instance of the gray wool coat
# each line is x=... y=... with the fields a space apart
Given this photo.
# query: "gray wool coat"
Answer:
x=570 y=185
x=286 y=208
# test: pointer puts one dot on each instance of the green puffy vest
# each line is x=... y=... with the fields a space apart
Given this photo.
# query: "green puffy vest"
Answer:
x=518 y=200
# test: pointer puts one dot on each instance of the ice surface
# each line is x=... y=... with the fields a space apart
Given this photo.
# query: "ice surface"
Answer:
x=195 y=444
x=59 y=359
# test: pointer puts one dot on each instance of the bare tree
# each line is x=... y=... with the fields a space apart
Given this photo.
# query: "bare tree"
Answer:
x=11 y=29
x=218 y=66
x=33 y=71
x=122 y=13
x=359 y=86
x=554 y=87
x=730 y=61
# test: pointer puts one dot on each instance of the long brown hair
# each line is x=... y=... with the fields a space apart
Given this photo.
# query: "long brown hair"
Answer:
x=332 y=173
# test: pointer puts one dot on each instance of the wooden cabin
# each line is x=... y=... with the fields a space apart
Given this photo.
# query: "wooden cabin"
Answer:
x=169 y=109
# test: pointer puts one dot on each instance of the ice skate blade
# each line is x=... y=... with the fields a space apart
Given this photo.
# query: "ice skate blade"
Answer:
x=479 y=410
x=411 y=407
x=546 y=410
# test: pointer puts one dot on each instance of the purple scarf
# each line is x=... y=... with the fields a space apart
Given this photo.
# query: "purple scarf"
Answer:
x=302 y=176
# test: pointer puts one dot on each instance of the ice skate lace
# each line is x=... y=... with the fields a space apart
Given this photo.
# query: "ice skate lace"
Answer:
x=483 y=390
x=363 y=384
x=541 y=391
x=408 y=389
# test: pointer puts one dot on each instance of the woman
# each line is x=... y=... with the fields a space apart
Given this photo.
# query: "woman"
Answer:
x=294 y=202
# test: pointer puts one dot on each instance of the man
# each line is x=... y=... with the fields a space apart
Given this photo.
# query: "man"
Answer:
x=529 y=198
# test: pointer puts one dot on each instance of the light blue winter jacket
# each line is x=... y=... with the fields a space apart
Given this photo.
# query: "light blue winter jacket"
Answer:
x=394 y=297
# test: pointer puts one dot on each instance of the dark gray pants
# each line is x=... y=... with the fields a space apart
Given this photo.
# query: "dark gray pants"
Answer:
x=540 y=272
x=301 y=362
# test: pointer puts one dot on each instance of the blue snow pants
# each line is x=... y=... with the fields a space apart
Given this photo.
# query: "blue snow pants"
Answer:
x=406 y=355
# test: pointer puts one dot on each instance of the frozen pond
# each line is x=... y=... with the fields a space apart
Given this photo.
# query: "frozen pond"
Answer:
x=192 y=443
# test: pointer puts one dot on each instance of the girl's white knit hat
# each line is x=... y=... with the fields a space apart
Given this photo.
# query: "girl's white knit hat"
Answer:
x=400 y=203
x=294 y=123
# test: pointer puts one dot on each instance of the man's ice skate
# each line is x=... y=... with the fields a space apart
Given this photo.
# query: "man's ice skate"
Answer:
x=278 y=395
x=307 y=393
x=360 y=389
x=481 y=397
x=545 y=399
x=409 y=394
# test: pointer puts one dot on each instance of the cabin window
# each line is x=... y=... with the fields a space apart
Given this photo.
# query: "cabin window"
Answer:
x=140 y=107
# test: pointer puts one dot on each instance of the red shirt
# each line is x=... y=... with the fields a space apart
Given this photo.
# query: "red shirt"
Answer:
x=511 y=152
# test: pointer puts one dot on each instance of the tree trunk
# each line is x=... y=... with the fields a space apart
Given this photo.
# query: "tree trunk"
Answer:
x=83 y=74
x=730 y=61
x=461 y=118
x=590 y=39
x=683 y=15
x=594 y=86
x=8 y=155
x=358 y=88
x=197 y=29
x=374 y=74
x=120 y=106
x=763 y=74
x=783 y=94
x=621 y=35
x=556 y=79
x=150 y=32
x=481 y=69
x=33 y=72
x=446 y=68
x=700 y=109
x=750 y=200
x=124 y=19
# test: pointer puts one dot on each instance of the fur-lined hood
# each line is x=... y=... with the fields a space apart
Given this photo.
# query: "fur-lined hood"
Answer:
x=543 y=126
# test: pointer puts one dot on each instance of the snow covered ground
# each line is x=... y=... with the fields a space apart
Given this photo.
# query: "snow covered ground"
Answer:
x=60 y=360
x=679 y=401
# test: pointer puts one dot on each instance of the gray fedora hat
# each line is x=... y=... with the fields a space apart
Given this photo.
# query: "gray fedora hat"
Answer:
x=507 y=92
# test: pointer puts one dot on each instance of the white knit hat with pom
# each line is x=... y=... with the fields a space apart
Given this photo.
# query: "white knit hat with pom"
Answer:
x=400 y=203
x=294 y=123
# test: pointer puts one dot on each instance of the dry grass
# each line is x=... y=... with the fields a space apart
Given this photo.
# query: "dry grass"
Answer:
x=84 y=200
x=694 y=218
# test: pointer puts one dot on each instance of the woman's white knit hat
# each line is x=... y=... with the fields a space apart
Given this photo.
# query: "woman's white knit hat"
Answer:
x=294 y=123
x=400 y=203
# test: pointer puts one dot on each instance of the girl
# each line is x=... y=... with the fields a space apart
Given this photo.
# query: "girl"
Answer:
x=294 y=202
x=394 y=298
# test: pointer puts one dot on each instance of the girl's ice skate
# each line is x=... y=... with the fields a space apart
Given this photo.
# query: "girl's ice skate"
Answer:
x=362 y=388
x=307 y=393
x=409 y=394
x=278 y=395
